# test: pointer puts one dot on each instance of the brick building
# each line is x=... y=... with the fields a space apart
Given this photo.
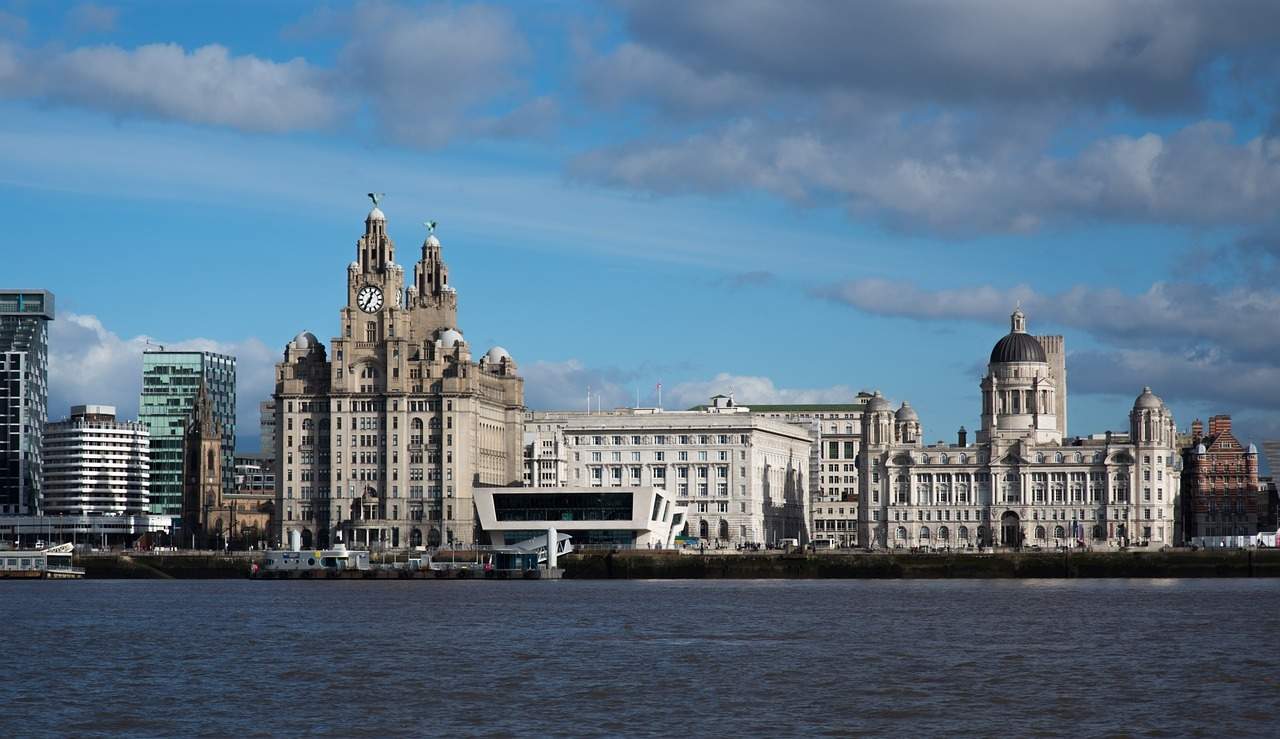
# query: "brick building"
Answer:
x=1221 y=493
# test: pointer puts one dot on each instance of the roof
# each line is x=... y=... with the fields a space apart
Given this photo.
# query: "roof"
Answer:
x=793 y=407
x=1018 y=347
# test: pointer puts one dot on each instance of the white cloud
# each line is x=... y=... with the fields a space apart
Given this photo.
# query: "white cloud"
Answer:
x=89 y=363
x=426 y=71
x=563 y=386
x=208 y=85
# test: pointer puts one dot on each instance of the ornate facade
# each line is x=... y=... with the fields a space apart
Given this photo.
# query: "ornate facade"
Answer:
x=1023 y=482
x=381 y=439
x=1221 y=491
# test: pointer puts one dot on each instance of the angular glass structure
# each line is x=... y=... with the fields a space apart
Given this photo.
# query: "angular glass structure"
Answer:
x=170 y=382
x=24 y=396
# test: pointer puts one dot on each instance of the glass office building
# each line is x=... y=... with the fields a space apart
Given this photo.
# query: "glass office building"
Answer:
x=170 y=383
x=24 y=396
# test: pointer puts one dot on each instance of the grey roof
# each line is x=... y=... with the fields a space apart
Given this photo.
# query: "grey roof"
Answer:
x=1018 y=347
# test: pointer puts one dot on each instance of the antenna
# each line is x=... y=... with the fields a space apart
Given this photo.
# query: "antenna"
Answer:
x=149 y=342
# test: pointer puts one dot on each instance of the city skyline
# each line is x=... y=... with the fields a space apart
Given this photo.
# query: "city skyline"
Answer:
x=666 y=204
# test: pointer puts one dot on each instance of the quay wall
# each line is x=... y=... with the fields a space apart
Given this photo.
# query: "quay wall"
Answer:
x=659 y=565
x=671 y=565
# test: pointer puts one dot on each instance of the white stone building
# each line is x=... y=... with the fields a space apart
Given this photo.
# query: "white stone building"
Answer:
x=95 y=464
x=381 y=439
x=742 y=476
x=1022 y=482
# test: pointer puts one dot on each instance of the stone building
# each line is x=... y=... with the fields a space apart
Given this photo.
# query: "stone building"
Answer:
x=1022 y=482
x=381 y=439
x=1221 y=491
x=836 y=429
x=203 y=515
x=742 y=476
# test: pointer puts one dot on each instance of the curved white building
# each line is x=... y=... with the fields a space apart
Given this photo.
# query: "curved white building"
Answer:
x=95 y=464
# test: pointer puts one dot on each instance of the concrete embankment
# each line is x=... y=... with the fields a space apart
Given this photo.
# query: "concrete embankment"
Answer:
x=181 y=565
x=661 y=565
x=674 y=566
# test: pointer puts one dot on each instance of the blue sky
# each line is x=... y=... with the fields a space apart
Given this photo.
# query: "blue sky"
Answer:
x=791 y=201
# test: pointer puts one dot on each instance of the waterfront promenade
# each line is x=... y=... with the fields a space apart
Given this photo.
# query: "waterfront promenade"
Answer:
x=673 y=565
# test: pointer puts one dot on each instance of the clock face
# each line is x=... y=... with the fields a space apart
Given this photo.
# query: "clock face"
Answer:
x=369 y=299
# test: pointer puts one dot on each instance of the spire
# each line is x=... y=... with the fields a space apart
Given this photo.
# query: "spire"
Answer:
x=374 y=251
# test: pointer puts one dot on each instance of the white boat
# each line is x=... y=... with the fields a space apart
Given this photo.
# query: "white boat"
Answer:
x=318 y=560
x=53 y=563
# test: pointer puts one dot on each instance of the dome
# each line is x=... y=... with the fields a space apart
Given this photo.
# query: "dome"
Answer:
x=354 y=265
x=432 y=240
x=449 y=337
x=878 y=403
x=907 y=413
x=1148 y=399
x=496 y=355
x=1018 y=347
x=376 y=215
x=1200 y=450
x=1253 y=449
x=305 y=340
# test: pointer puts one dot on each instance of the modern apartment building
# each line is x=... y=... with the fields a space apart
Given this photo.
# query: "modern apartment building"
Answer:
x=95 y=464
x=24 y=396
x=171 y=381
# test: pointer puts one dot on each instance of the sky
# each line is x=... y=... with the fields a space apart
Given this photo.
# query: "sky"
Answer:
x=784 y=200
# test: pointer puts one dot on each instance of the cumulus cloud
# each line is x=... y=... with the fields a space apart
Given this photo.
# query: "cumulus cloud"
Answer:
x=946 y=118
x=563 y=386
x=931 y=176
x=428 y=75
x=88 y=363
x=1242 y=320
x=425 y=71
x=208 y=85
x=1149 y=55
x=1198 y=342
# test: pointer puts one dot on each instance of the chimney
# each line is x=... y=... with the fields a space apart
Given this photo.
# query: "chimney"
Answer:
x=1219 y=424
x=962 y=437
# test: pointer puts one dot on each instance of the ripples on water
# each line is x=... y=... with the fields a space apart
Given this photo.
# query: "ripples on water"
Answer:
x=706 y=658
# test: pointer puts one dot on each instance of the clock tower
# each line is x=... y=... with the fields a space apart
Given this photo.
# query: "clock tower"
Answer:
x=382 y=440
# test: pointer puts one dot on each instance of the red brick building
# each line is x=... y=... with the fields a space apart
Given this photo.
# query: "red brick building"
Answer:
x=1221 y=495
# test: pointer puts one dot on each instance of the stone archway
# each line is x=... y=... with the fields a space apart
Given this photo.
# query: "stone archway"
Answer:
x=415 y=538
x=704 y=531
x=306 y=539
x=1010 y=530
x=433 y=537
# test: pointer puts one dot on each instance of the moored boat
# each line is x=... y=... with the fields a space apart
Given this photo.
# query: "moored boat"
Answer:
x=53 y=563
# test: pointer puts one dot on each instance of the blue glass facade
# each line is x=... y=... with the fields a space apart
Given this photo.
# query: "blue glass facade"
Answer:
x=170 y=383
x=24 y=396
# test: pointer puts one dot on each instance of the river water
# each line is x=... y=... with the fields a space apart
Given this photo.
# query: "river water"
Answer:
x=591 y=658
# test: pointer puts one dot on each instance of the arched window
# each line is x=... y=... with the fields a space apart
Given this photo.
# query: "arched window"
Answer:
x=1059 y=458
x=944 y=534
x=924 y=459
x=724 y=529
x=1039 y=459
x=924 y=533
x=1040 y=533
x=704 y=531
x=901 y=533
x=1079 y=458
x=1059 y=532
x=944 y=459
x=963 y=533
x=209 y=463
x=964 y=459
